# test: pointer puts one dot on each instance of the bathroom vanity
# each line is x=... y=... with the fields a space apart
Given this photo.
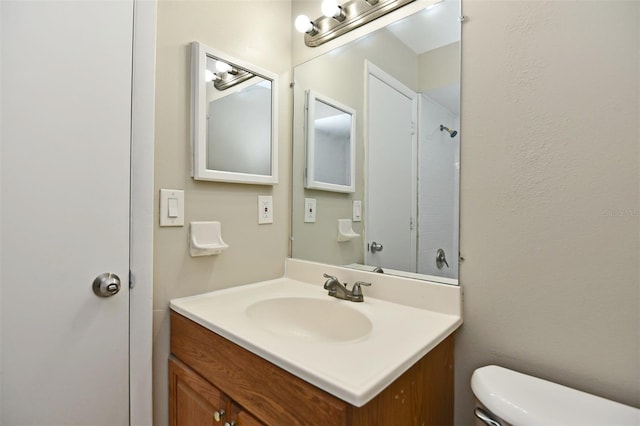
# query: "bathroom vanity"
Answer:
x=284 y=352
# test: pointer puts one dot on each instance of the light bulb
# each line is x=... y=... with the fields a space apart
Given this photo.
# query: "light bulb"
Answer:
x=209 y=75
x=303 y=24
x=222 y=66
x=330 y=8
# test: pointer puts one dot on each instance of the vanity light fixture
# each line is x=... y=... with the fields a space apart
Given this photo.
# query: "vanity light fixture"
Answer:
x=305 y=25
x=223 y=67
x=231 y=78
x=210 y=76
x=225 y=75
x=340 y=19
x=330 y=9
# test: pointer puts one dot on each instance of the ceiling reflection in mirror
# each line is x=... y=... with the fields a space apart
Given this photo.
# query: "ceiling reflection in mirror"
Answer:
x=404 y=81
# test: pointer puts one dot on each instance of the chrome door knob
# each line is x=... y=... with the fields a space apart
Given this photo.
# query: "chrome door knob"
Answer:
x=441 y=259
x=376 y=247
x=106 y=285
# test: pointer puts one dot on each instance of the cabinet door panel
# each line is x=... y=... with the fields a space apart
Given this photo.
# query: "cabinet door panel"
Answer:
x=192 y=400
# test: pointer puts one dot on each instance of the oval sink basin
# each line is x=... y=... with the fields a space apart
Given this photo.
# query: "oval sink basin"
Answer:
x=310 y=319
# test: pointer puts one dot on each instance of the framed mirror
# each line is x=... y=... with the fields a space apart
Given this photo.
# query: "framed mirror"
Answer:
x=331 y=128
x=403 y=81
x=234 y=119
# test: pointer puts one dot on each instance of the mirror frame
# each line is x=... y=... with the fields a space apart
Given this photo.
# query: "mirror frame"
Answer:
x=310 y=175
x=199 y=143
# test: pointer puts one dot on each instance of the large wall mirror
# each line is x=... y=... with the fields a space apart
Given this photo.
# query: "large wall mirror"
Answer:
x=404 y=81
x=234 y=119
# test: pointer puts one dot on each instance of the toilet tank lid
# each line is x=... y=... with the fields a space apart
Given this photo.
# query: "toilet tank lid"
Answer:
x=526 y=400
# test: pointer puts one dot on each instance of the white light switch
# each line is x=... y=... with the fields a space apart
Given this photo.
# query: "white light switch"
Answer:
x=171 y=207
x=310 y=210
x=265 y=209
x=357 y=211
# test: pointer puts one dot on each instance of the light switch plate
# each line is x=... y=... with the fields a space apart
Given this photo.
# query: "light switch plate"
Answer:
x=310 y=210
x=357 y=211
x=175 y=215
x=265 y=209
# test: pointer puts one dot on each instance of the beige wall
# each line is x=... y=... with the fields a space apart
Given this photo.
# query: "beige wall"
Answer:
x=549 y=199
x=439 y=67
x=258 y=32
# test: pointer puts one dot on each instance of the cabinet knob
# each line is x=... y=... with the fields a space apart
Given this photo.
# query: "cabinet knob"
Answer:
x=231 y=423
x=218 y=415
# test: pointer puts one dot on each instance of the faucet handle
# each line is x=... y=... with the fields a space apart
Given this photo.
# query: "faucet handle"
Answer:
x=331 y=280
x=357 y=291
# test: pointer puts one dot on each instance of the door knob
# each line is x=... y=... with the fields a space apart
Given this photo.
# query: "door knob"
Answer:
x=106 y=285
x=376 y=247
x=441 y=258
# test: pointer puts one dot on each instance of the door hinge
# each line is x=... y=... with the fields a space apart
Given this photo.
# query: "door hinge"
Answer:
x=132 y=282
x=411 y=224
x=413 y=128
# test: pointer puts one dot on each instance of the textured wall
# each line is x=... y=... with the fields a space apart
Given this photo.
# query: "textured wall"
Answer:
x=549 y=198
x=259 y=32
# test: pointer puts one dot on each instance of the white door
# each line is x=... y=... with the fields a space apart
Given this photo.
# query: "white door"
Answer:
x=391 y=185
x=65 y=163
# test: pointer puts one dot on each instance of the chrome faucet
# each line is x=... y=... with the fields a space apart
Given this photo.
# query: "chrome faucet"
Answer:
x=336 y=289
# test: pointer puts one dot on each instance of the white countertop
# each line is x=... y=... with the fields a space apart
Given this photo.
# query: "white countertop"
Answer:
x=355 y=370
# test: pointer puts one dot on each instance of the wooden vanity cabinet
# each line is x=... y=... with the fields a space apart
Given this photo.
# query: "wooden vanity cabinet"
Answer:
x=208 y=372
x=194 y=401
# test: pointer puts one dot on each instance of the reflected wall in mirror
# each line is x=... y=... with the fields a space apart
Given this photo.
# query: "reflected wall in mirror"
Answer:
x=331 y=128
x=404 y=80
x=234 y=119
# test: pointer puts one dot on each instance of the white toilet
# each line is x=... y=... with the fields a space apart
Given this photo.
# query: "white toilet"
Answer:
x=505 y=397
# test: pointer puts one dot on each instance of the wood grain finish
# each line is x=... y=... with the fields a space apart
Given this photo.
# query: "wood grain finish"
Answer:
x=273 y=395
x=194 y=402
x=423 y=395
x=191 y=399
